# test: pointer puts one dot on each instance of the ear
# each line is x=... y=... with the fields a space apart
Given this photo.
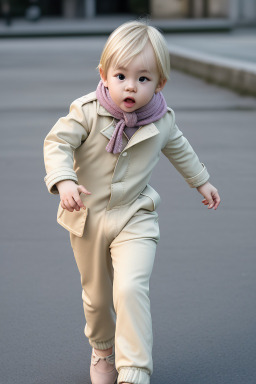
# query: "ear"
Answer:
x=160 y=85
x=103 y=78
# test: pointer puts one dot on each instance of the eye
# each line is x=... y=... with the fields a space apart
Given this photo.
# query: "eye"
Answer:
x=120 y=76
x=143 y=79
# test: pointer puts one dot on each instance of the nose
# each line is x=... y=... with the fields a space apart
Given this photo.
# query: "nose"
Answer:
x=131 y=86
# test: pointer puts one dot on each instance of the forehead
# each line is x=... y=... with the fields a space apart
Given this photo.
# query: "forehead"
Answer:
x=145 y=60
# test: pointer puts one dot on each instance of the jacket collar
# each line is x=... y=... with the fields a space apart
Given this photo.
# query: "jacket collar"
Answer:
x=108 y=130
x=102 y=111
x=143 y=133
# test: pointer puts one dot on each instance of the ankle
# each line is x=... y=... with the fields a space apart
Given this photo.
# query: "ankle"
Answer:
x=103 y=352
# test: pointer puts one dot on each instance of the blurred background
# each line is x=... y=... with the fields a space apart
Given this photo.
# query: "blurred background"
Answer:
x=240 y=11
x=203 y=286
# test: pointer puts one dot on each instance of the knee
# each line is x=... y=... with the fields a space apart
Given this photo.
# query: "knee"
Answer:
x=96 y=303
x=130 y=291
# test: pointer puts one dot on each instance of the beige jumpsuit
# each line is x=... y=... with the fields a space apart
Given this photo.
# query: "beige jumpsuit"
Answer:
x=114 y=239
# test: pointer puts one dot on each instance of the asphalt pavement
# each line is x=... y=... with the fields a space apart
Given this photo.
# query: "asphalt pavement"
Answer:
x=203 y=284
x=214 y=49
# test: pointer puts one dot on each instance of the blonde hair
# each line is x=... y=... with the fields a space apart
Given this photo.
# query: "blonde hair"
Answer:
x=129 y=40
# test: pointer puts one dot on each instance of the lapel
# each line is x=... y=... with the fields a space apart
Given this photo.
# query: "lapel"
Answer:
x=102 y=111
x=108 y=130
x=143 y=133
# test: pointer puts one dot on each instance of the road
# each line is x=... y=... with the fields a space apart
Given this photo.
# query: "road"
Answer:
x=203 y=284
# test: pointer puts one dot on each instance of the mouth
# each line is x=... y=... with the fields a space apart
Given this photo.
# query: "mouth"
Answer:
x=129 y=101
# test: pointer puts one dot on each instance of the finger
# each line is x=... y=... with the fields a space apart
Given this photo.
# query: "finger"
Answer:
x=72 y=207
x=216 y=198
x=77 y=208
x=78 y=200
x=62 y=204
x=68 y=206
x=73 y=204
x=82 y=189
x=210 y=202
x=205 y=202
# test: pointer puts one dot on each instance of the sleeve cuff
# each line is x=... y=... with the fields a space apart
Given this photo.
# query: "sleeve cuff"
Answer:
x=198 y=179
x=55 y=176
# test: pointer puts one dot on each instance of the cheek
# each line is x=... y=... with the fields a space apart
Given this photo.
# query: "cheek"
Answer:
x=113 y=92
x=113 y=87
x=149 y=91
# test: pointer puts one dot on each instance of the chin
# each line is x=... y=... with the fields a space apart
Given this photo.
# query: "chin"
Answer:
x=129 y=109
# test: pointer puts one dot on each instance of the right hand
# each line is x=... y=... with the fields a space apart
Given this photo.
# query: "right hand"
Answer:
x=70 y=195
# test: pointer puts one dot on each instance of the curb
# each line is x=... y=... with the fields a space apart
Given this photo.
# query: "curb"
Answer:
x=237 y=75
x=102 y=27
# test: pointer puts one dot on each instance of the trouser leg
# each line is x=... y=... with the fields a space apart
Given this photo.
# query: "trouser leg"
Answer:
x=133 y=253
x=95 y=266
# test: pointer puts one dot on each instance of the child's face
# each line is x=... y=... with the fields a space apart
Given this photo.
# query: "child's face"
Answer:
x=133 y=86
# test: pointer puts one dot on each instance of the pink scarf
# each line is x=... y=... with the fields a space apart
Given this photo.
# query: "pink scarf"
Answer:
x=153 y=111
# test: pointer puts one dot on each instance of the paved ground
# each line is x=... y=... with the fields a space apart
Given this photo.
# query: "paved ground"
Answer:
x=220 y=53
x=203 y=284
x=238 y=43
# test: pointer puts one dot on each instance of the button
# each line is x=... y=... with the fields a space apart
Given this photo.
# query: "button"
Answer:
x=124 y=154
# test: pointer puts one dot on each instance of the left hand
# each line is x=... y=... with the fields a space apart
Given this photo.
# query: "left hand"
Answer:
x=210 y=194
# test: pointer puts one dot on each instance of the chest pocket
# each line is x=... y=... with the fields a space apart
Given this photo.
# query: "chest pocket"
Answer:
x=74 y=221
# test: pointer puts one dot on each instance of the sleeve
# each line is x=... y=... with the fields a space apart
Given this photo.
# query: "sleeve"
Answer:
x=65 y=136
x=181 y=154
